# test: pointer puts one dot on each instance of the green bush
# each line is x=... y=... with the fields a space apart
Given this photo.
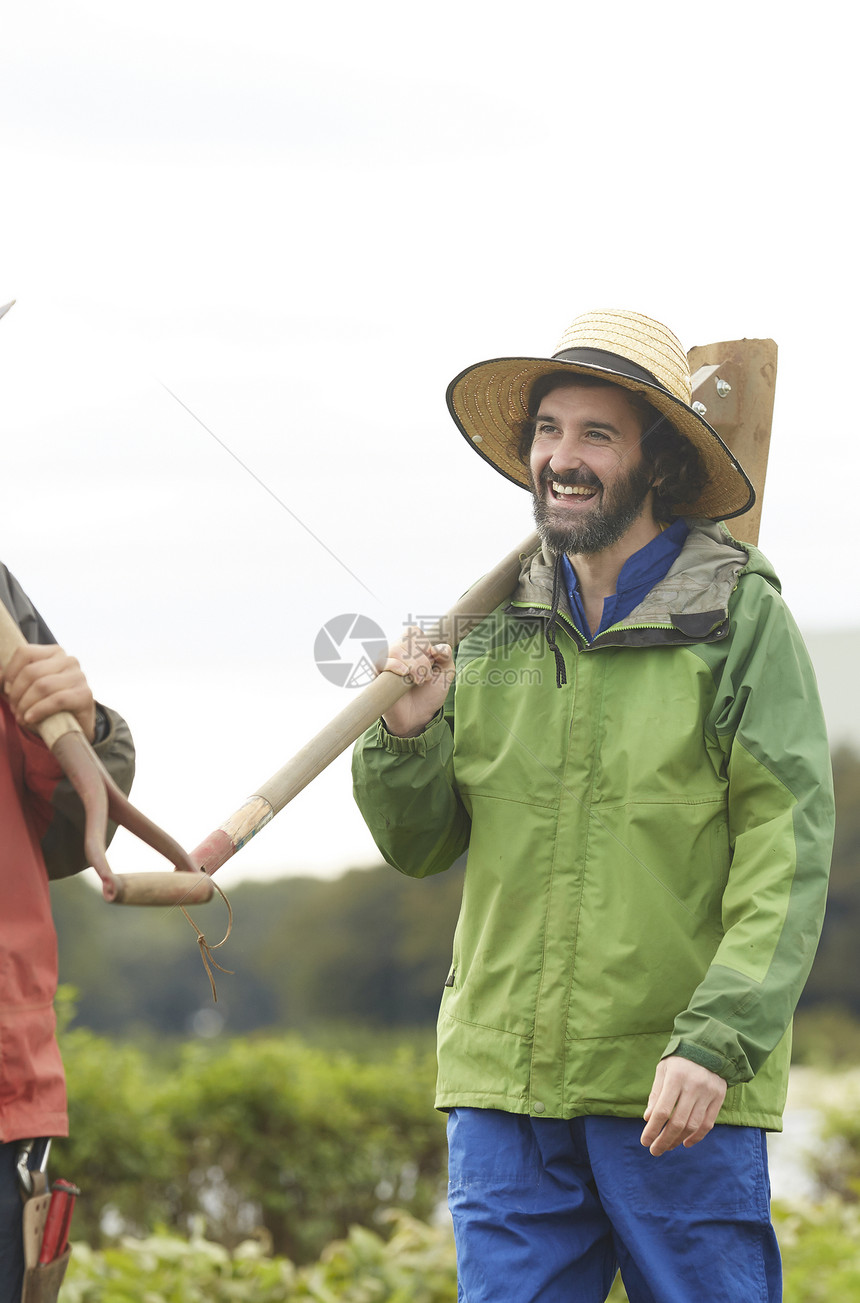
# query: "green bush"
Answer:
x=826 y=1037
x=166 y=1269
x=415 y=1265
x=315 y=1141
x=837 y=1167
x=277 y=1146
x=250 y=1133
x=820 y=1247
x=122 y=1151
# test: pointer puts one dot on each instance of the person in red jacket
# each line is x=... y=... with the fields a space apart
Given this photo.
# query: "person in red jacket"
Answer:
x=41 y=837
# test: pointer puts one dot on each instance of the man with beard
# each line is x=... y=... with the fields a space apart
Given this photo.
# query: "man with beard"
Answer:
x=633 y=753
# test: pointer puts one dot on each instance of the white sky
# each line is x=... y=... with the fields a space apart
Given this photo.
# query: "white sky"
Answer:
x=305 y=221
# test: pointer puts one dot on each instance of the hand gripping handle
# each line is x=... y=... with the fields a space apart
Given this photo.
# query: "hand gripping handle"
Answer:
x=102 y=799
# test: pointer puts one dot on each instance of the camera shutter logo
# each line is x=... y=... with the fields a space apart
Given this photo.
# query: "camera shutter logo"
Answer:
x=349 y=649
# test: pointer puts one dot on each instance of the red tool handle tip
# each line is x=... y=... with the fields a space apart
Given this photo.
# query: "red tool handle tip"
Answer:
x=214 y=851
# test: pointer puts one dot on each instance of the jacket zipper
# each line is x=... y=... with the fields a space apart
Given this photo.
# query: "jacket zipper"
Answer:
x=538 y=606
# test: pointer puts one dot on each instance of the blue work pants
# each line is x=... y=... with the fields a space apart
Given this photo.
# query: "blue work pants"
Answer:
x=546 y=1211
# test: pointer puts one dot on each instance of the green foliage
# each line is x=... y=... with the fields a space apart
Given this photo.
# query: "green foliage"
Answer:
x=65 y=1006
x=415 y=1265
x=826 y=1037
x=122 y=1151
x=837 y=1165
x=618 y=1294
x=820 y=1248
x=324 y=1112
x=166 y=1269
x=316 y=1141
x=251 y=1133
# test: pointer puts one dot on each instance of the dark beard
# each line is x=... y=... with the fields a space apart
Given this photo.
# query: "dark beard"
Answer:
x=608 y=522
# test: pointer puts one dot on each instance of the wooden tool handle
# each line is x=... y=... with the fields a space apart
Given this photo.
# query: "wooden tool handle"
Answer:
x=737 y=385
x=366 y=707
x=100 y=795
x=177 y=888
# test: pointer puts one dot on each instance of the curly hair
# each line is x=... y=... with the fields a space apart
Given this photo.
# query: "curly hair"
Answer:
x=678 y=470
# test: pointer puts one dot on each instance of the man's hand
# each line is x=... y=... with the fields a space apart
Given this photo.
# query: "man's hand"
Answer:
x=40 y=680
x=683 y=1105
x=431 y=670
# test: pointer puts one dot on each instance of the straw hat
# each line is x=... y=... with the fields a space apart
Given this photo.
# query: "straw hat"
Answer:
x=489 y=401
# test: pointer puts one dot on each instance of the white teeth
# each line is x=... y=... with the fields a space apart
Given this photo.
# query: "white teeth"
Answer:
x=580 y=490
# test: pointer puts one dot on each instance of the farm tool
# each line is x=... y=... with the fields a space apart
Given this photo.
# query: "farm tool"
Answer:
x=103 y=800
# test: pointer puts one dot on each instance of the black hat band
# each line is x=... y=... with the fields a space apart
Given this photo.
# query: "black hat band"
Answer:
x=610 y=362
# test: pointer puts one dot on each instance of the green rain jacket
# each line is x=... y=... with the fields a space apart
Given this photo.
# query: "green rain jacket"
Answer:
x=648 y=845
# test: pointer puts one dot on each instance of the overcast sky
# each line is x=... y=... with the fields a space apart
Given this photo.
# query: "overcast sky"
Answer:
x=304 y=221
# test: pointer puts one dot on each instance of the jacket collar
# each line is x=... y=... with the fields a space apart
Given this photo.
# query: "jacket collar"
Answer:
x=693 y=597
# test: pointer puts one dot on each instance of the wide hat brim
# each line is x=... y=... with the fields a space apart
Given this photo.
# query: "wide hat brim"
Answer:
x=489 y=403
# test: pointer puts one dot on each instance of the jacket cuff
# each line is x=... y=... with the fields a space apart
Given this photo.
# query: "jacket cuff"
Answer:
x=102 y=728
x=430 y=737
x=705 y=1058
x=105 y=732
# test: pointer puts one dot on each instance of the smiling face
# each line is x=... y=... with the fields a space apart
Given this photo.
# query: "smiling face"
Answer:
x=590 y=480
